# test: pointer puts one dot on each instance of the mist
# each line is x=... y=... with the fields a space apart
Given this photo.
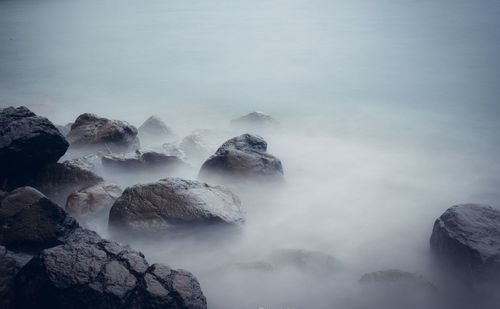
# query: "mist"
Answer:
x=388 y=115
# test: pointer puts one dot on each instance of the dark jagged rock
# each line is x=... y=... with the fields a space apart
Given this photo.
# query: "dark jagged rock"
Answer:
x=76 y=268
x=27 y=142
x=89 y=272
x=255 y=120
x=93 y=132
x=133 y=162
x=155 y=129
x=29 y=221
x=93 y=200
x=468 y=237
x=172 y=202
x=394 y=276
x=243 y=157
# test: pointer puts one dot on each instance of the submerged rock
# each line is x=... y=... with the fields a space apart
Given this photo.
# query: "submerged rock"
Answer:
x=27 y=142
x=155 y=129
x=195 y=147
x=394 y=276
x=467 y=237
x=307 y=260
x=172 y=202
x=243 y=157
x=93 y=132
x=255 y=120
x=93 y=200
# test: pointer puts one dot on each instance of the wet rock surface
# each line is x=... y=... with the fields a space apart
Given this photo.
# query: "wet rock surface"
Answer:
x=245 y=158
x=172 y=202
x=93 y=132
x=467 y=237
x=30 y=222
x=27 y=142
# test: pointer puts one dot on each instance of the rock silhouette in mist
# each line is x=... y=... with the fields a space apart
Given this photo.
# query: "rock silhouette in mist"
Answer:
x=64 y=129
x=91 y=132
x=255 y=120
x=174 y=202
x=73 y=267
x=242 y=158
x=27 y=142
x=467 y=238
x=154 y=129
x=141 y=161
x=398 y=277
x=93 y=200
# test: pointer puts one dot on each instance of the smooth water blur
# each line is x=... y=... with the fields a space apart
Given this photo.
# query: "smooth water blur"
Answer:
x=389 y=113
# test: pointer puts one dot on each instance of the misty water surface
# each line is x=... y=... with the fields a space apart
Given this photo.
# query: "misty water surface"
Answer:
x=389 y=115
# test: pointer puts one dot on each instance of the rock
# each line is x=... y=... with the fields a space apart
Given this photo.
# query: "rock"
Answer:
x=58 y=180
x=308 y=260
x=243 y=157
x=93 y=200
x=172 y=202
x=255 y=120
x=195 y=147
x=468 y=237
x=96 y=133
x=155 y=129
x=96 y=273
x=132 y=162
x=27 y=142
x=8 y=270
x=398 y=277
x=29 y=221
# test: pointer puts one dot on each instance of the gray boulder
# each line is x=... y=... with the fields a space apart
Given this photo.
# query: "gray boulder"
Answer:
x=96 y=133
x=93 y=200
x=467 y=237
x=154 y=129
x=244 y=158
x=174 y=202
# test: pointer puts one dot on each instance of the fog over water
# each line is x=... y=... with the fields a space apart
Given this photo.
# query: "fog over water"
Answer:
x=388 y=109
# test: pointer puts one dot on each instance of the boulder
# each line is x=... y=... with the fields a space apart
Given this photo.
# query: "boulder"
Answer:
x=58 y=180
x=27 y=142
x=398 y=277
x=8 y=270
x=467 y=237
x=93 y=200
x=29 y=221
x=90 y=272
x=155 y=129
x=93 y=132
x=64 y=129
x=255 y=120
x=174 y=202
x=243 y=157
x=136 y=161
x=195 y=147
